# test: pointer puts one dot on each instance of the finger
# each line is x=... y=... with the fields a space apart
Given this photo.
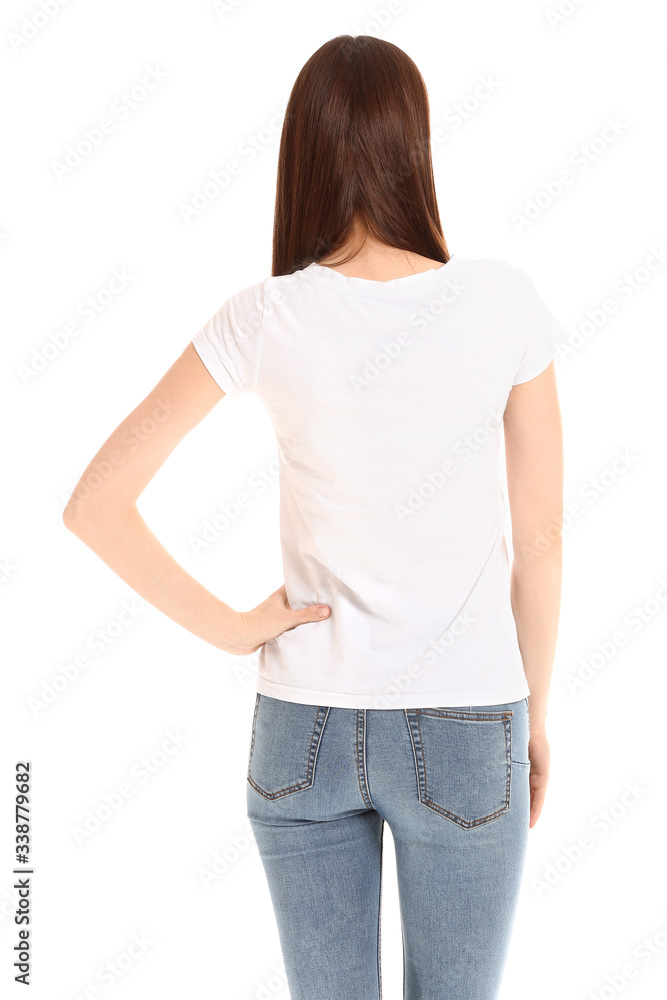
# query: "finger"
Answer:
x=538 y=795
x=313 y=613
x=534 y=816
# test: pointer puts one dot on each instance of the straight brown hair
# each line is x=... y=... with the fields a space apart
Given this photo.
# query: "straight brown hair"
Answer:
x=355 y=143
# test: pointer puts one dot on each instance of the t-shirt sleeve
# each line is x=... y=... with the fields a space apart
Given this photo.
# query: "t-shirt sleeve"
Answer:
x=229 y=342
x=537 y=328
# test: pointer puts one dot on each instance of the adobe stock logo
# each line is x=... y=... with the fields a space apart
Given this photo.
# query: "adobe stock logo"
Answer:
x=643 y=954
x=94 y=136
x=634 y=621
x=599 y=826
x=579 y=161
x=88 y=309
x=32 y=24
x=458 y=114
x=436 y=478
x=390 y=351
x=633 y=279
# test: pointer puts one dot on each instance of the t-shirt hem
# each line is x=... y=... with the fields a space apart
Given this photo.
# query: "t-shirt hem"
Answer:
x=437 y=699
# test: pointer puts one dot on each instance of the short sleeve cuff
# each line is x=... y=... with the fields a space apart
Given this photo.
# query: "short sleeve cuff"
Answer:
x=214 y=364
x=536 y=368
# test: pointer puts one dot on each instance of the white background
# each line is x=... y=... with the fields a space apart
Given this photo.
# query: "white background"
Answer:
x=227 y=76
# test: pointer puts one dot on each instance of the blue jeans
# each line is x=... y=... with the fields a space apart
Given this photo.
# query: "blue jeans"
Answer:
x=452 y=783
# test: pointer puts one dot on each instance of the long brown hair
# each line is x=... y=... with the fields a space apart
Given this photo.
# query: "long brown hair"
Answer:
x=355 y=143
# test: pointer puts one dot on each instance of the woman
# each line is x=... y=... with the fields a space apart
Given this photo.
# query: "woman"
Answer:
x=403 y=672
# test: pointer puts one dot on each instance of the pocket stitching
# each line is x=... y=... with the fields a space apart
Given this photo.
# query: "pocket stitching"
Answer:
x=452 y=713
x=504 y=717
x=315 y=738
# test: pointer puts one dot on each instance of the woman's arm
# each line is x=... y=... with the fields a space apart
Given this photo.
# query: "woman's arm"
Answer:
x=102 y=512
x=534 y=456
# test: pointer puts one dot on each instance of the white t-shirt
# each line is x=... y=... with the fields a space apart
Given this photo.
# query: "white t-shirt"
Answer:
x=387 y=399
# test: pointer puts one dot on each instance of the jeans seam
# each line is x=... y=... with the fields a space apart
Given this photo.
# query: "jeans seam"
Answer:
x=361 y=751
x=379 y=956
x=508 y=760
x=254 y=728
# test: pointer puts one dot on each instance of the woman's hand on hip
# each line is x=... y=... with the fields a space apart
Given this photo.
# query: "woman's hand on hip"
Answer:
x=270 y=619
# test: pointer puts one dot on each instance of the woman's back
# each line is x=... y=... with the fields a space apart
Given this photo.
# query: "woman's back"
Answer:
x=387 y=398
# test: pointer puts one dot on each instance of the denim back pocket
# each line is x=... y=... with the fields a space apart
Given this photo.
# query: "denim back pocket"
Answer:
x=284 y=743
x=463 y=762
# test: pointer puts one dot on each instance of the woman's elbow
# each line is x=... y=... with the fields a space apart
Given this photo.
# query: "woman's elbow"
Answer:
x=83 y=517
x=76 y=517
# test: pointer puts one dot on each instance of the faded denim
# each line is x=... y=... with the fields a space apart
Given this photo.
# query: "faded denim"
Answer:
x=452 y=783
